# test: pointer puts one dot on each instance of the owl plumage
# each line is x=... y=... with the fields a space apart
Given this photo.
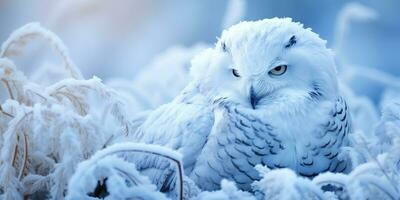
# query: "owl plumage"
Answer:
x=240 y=141
x=266 y=94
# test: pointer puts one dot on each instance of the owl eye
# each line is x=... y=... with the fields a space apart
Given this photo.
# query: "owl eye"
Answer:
x=279 y=70
x=235 y=73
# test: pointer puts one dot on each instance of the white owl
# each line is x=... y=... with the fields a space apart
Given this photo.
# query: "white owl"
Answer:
x=267 y=93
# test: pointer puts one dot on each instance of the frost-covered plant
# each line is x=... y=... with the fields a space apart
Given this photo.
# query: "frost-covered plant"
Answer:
x=98 y=176
x=19 y=38
x=235 y=11
x=47 y=131
x=350 y=13
x=371 y=180
x=228 y=191
x=366 y=181
x=285 y=184
x=108 y=174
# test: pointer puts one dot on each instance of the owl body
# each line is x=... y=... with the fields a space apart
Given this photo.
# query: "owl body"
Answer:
x=242 y=139
x=266 y=94
x=183 y=125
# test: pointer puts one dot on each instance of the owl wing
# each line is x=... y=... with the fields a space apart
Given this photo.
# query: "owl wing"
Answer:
x=181 y=126
x=322 y=154
x=238 y=142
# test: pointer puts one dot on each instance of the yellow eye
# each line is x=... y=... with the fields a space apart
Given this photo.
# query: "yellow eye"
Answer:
x=279 y=70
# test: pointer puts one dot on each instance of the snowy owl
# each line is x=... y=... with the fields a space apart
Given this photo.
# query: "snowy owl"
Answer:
x=267 y=94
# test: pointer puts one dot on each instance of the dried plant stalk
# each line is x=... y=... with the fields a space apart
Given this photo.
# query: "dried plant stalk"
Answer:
x=176 y=161
x=20 y=156
x=17 y=151
x=5 y=113
x=11 y=78
x=8 y=88
x=19 y=38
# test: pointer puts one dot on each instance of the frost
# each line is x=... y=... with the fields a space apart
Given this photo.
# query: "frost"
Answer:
x=108 y=175
x=350 y=13
x=67 y=136
x=228 y=191
x=47 y=131
x=17 y=40
x=235 y=12
x=284 y=184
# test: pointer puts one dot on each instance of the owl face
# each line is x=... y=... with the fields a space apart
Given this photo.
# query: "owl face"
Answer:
x=270 y=62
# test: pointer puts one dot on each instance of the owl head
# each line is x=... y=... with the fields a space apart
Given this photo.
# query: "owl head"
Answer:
x=271 y=62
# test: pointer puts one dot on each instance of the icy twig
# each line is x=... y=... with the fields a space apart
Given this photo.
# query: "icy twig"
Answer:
x=147 y=149
x=391 y=181
x=235 y=11
x=19 y=38
x=6 y=113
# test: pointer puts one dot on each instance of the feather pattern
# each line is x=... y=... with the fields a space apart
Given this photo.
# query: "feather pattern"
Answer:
x=180 y=125
x=322 y=154
x=240 y=141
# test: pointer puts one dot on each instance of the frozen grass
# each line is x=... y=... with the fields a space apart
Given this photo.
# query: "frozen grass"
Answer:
x=47 y=131
x=19 y=38
x=123 y=180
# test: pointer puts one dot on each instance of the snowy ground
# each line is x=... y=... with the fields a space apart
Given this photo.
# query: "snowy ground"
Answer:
x=62 y=133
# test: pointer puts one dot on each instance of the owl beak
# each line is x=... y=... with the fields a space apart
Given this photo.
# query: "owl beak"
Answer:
x=253 y=98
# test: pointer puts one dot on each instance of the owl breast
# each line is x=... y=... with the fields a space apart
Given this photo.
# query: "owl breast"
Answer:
x=239 y=142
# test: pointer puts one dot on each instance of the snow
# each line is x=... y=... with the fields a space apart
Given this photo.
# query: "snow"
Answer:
x=62 y=138
x=228 y=191
x=285 y=184
x=123 y=180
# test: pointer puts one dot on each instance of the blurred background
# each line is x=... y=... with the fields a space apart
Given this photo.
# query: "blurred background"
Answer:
x=143 y=47
x=125 y=35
